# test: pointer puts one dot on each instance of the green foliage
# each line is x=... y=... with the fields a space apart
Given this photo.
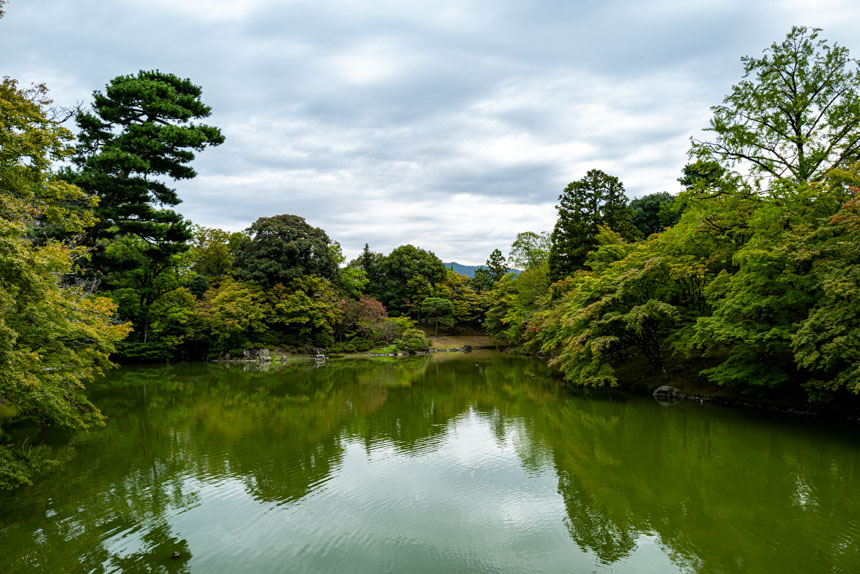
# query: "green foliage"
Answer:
x=282 y=249
x=233 y=314
x=212 y=252
x=141 y=131
x=827 y=342
x=407 y=277
x=705 y=177
x=482 y=281
x=54 y=337
x=654 y=212
x=760 y=301
x=794 y=115
x=490 y=273
x=758 y=286
x=392 y=328
x=371 y=263
x=530 y=249
x=353 y=281
x=632 y=302
x=309 y=311
x=29 y=144
x=387 y=350
x=468 y=305
x=198 y=286
x=137 y=285
x=413 y=340
x=438 y=309
x=496 y=266
x=513 y=303
x=595 y=200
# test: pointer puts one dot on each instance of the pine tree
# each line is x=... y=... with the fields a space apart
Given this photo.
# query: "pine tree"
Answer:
x=140 y=131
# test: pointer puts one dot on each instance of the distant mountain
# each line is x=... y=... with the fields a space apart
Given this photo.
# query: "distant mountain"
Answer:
x=469 y=270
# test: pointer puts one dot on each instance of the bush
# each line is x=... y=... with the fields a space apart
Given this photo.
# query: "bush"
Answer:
x=363 y=345
x=413 y=340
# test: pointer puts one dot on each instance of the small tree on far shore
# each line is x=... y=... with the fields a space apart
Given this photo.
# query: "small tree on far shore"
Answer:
x=440 y=309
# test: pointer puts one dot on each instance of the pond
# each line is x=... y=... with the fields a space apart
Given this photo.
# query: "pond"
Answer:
x=445 y=463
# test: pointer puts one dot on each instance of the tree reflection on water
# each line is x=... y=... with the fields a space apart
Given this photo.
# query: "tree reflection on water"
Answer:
x=721 y=491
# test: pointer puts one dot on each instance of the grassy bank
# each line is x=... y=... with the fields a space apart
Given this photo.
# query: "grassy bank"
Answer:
x=445 y=342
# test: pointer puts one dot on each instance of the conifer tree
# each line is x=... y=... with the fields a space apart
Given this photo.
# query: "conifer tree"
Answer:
x=584 y=206
x=142 y=130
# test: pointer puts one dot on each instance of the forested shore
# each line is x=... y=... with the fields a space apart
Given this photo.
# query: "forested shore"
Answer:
x=747 y=278
x=756 y=287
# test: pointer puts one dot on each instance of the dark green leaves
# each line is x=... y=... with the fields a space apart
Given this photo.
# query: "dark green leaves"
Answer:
x=283 y=248
x=584 y=205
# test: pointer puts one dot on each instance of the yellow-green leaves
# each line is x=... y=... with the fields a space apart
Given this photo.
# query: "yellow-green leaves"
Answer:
x=30 y=143
x=55 y=336
x=794 y=115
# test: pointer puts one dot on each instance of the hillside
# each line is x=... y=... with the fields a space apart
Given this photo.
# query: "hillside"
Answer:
x=469 y=270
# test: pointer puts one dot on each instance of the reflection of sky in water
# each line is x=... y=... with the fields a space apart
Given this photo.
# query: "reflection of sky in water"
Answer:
x=452 y=463
x=462 y=502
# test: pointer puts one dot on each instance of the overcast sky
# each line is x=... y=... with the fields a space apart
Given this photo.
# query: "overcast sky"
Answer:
x=449 y=124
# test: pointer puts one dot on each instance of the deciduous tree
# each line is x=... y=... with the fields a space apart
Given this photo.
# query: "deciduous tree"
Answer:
x=529 y=249
x=795 y=115
x=212 y=252
x=284 y=248
x=407 y=276
x=54 y=337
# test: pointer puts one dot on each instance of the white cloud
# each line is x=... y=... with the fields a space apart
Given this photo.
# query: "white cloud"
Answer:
x=367 y=63
x=449 y=124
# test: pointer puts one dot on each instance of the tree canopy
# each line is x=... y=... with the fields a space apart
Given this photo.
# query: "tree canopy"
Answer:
x=654 y=212
x=529 y=249
x=750 y=282
x=408 y=275
x=54 y=336
x=141 y=132
x=583 y=207
x=141 y=129
x=439 y=310
x=795 y=114
x=283 y=248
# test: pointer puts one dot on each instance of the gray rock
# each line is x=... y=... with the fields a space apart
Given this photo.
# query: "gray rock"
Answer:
x=665 y=392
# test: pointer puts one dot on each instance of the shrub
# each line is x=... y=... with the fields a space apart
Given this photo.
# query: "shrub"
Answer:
x=413 y=340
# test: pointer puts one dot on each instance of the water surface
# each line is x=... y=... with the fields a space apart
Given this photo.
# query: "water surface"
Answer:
x=448 y=463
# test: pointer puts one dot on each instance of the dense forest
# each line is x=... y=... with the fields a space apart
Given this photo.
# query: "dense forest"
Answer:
x=749 y=276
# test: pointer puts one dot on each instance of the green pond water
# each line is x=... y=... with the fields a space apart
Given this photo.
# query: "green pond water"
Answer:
x=446 y=463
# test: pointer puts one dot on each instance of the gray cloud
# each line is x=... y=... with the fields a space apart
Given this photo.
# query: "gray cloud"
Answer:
x=452 y=125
